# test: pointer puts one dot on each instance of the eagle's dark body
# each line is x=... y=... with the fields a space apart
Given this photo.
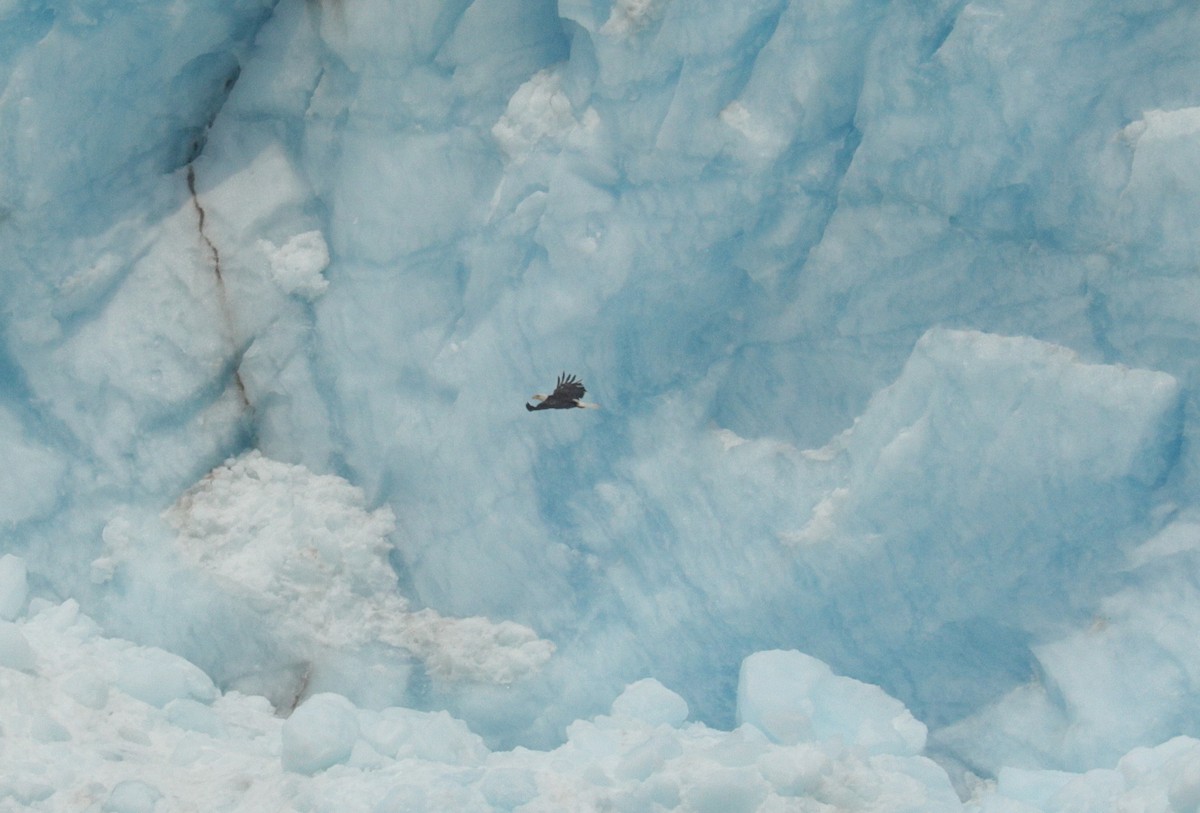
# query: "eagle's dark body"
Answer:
x=566 y=395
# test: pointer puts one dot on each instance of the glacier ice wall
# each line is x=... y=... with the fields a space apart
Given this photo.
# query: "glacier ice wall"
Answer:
x=354 y=236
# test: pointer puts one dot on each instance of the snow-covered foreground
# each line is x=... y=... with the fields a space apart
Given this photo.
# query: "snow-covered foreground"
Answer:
x=93 y=723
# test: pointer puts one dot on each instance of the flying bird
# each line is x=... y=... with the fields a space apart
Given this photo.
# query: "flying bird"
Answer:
x=566 y=395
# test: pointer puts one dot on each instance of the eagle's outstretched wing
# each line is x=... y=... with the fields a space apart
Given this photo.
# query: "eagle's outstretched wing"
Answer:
x=569 y=388
x=567 y=394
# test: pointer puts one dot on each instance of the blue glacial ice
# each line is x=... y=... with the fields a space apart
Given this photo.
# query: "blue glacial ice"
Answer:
x=891 y=309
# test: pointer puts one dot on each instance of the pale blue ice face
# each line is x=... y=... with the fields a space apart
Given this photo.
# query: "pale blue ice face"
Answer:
x=822 y=265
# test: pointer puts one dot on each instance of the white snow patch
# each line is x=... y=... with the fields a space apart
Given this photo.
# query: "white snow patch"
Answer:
x=822 y=525
x=1164 y=125
x=305 y=554
x=298 y=265
x=729 y=439
x=630 y=16
x=539 y=111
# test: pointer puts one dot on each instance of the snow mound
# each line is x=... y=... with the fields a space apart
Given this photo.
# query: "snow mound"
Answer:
x=310 y=561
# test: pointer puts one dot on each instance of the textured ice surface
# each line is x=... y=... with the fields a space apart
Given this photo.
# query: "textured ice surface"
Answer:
x=792 y=698
x=892 y=310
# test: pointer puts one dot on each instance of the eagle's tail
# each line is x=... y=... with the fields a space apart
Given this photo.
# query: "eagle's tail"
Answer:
x=586 y=405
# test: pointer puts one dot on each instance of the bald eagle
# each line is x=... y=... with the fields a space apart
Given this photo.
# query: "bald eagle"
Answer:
x=566 y=395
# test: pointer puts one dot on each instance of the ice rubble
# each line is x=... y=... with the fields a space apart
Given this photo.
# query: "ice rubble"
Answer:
x=348 y=235
x=310 y=564
x=92 y=722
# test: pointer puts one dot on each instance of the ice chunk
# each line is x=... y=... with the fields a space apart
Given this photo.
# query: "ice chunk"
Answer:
x=649 y=701
x=45 y=728
x=401 y=733
x=13 y=586
x=319 y=734
x=958 y=476
x=86 y=689
x=1013 y=390
x=795 y=698
x=157 y=677
x=509 y=788
x=194 y=716
x=132 y=796
x=1134 y=651
x=15 y=651
x=649 y=758
x=1183 y=792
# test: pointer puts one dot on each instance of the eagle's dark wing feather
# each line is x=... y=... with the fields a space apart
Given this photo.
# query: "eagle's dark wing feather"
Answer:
x=569 y=389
